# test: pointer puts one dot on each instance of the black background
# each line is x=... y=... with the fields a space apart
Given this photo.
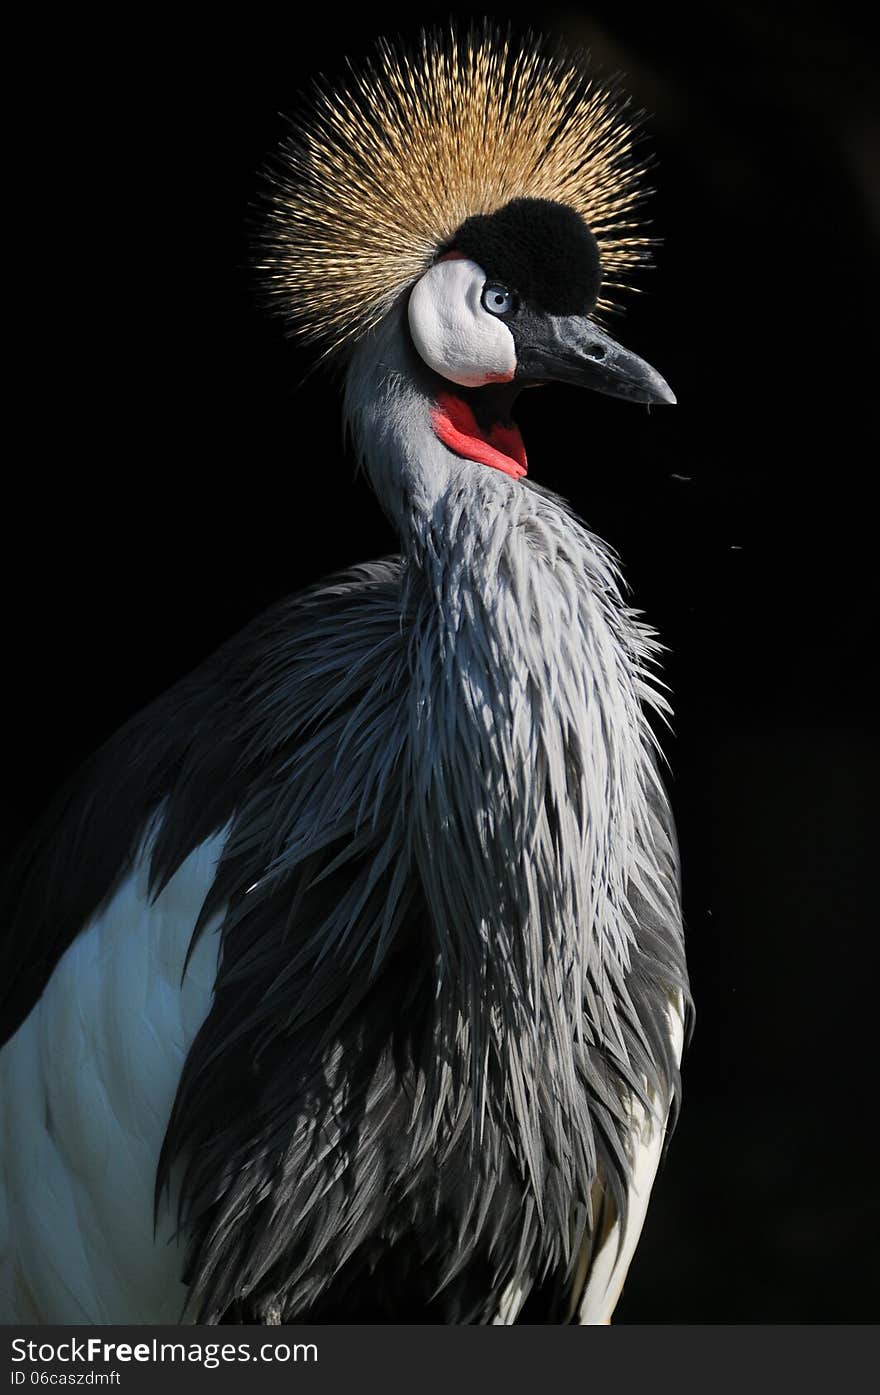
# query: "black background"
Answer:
x=172 y=474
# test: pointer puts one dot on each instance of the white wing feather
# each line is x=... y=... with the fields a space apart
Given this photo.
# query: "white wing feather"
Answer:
x=86 y=1088
x=609 y=1264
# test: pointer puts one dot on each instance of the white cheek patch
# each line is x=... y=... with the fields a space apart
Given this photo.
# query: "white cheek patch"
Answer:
x=452 y=331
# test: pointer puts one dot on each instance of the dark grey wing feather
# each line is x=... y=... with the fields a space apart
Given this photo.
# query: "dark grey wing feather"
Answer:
x=197 y=749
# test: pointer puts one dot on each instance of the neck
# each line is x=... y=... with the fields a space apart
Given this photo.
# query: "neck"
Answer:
x=422 y=440
x=531 y=758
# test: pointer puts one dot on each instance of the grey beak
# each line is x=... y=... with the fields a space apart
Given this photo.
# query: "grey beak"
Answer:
x=571 y=349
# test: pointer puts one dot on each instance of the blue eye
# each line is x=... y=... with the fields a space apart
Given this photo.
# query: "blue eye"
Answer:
x=497 y=299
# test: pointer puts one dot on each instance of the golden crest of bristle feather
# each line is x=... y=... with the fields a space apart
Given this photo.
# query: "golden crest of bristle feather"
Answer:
x=389 y=164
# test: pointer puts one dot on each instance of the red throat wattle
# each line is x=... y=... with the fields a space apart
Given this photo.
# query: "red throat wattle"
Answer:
x=500 y=447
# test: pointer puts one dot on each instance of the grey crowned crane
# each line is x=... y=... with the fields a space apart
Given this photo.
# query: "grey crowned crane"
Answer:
x=354 y=964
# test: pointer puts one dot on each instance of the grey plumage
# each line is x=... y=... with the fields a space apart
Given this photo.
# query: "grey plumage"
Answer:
x=468 y=824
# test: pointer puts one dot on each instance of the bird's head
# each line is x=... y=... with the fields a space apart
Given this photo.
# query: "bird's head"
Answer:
x=456 y=221
x=507 y=305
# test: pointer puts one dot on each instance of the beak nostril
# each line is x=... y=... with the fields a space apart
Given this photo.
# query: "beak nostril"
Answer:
x=596 y=352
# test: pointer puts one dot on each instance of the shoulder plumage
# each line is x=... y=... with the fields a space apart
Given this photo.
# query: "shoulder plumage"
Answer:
x=195 y=752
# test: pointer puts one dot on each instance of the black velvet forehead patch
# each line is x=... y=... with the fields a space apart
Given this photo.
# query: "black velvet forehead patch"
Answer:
x=543 y=251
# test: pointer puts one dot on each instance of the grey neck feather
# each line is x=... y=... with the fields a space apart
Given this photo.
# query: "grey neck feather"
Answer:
x=387 y=406
x=532 y=762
